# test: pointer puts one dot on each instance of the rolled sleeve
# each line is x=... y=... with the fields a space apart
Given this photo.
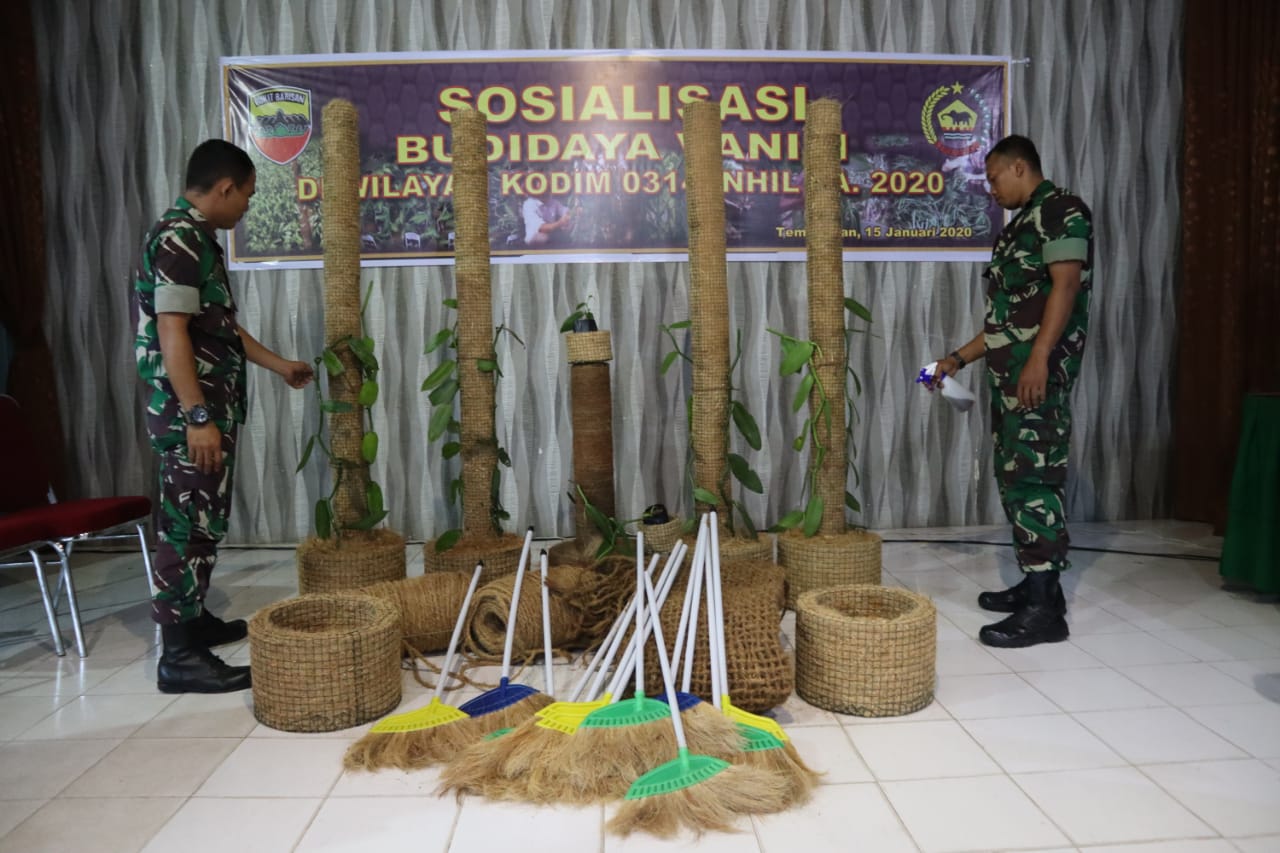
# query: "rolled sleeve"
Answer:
x=1066 y=249
x=177 y=299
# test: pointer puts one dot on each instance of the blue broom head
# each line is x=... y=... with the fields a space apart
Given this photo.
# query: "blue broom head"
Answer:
x=503 y=696
x=684 y=701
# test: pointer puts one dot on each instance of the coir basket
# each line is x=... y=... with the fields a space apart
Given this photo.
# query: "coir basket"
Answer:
x=325 y=661
x=866 y=650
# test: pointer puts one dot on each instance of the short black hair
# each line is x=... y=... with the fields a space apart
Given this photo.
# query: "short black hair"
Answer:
x=215 y=159
x=1017 y=148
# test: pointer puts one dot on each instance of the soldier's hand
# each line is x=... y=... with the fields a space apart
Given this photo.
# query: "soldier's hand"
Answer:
x=947 y=366
x=297 y=373
x=204 y=447
x=1032 y=382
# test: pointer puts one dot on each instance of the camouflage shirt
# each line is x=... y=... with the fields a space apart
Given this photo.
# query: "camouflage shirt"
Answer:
x=180 y=270
x=1053 y=226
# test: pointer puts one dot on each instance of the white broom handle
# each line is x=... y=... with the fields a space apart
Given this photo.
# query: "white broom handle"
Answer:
x=699 y=572
x=640 y=610
x=515 y=602
x=640 y=636
x=445 y=671
x=673 y=702
x=688 y=605
x=616 y=633
x=676 y=649
x=546 y=628
x=718 y=588
x=625 y=619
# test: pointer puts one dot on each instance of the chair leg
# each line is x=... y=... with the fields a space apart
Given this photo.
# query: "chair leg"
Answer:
x=146 y=556
x=72 y=604
x=54 y=631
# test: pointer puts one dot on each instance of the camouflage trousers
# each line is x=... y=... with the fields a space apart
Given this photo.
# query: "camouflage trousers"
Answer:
x=194 y=507
x=1031 y=472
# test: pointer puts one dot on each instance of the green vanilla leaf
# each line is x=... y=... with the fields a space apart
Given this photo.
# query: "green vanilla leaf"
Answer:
x=703 y=496
x=746 y=425
x=368 y=393
x=668 y=361
x=742 y=471
x=440 y=417
x=447 y=540
x=567 y=325
x=373 y=496
x=337 y=407
x=306 y=454
x=440 y=374
x=369 y=447
x=790 y=520
x=441 y=337
x=802 y=393
x=369 y=521
x=444 y=393
x=857 y=308
x=851 y=502
x=332 y=363
x=746 y=518
x=451 y=449
x=795 y=354
x=324 y=519
x=813 y=515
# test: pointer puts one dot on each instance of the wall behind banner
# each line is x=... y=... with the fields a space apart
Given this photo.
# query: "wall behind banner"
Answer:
x=131 y=86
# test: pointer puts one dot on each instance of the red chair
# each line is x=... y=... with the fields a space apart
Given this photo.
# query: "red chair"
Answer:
x=31 y=518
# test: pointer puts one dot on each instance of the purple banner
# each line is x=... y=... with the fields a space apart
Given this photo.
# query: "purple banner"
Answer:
x=586 y=152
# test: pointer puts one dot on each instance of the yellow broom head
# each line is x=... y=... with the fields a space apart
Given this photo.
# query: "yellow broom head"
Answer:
x=714 y=803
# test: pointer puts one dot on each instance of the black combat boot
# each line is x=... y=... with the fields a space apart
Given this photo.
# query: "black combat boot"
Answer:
x=187 y=665
x=1014 y=598
x=1041 y=620
x=211 y=631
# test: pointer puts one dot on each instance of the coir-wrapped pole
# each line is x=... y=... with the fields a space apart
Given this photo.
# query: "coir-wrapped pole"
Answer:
x=708 y=298
x=340 y=208
x=825 y=268
x=475 y=320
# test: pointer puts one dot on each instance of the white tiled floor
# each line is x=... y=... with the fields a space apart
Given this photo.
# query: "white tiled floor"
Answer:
x=1155 y=728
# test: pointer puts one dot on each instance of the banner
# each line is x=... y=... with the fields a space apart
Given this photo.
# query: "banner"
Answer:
x=586 y=159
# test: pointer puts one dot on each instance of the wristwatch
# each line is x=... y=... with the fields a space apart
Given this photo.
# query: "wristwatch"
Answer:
x=960 y=362
x=197 y=415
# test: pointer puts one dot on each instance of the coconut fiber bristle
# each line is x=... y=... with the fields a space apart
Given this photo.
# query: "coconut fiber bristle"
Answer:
x=796 y=779
x=413 y=750
x=712 y=804
x=513 y=715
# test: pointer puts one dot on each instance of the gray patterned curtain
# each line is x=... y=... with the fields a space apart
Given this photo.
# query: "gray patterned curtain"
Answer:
x=130 y=86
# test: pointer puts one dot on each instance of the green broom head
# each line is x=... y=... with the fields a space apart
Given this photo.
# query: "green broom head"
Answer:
x=684 y=771
x=635 y=711
x=757 y=740
x=427 y=717
x=494 y=735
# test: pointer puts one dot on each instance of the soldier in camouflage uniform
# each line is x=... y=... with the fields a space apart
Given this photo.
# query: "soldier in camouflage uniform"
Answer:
x=1038 y=286
x=191 y=352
